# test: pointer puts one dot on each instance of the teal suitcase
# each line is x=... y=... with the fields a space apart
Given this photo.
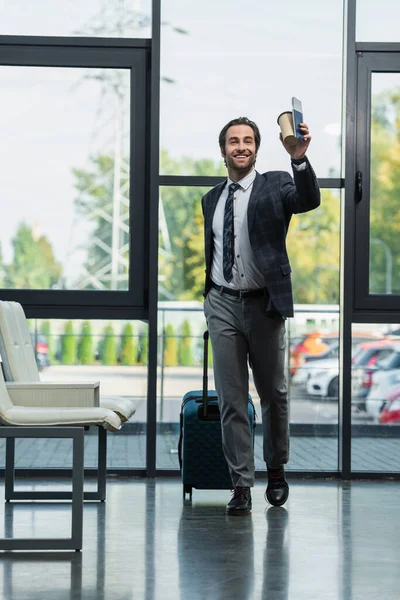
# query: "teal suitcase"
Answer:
x=201 y=459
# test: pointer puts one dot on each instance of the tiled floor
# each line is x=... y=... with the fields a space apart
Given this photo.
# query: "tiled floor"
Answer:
x=331 y=541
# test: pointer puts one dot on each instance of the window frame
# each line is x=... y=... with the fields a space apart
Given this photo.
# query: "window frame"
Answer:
x=131 y=54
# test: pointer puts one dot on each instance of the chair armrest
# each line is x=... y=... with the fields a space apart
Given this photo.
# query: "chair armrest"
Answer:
x=53 y=394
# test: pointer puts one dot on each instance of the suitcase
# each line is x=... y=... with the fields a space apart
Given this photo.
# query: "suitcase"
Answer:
x=201 y=459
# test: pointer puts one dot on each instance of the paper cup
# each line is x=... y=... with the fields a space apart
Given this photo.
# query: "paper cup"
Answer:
x=285 y=122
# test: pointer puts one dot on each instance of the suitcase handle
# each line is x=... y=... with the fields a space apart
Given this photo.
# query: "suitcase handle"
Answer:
x=205 y=375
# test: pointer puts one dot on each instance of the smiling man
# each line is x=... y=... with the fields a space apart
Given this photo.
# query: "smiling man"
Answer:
x=248 y=296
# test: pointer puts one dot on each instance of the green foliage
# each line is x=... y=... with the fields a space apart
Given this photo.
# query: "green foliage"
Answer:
x=185 y=355
x=33 y=265
x=313 y=248
x=109 y=355
x=170 y=347
x=385 y=193
x=182 y=260
x=69 y=345
x=143 y=348
x=45 y=329
x=85 y=351
x=129 y=349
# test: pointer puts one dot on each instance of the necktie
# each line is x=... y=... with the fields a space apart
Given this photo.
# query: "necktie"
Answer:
x=228 y=239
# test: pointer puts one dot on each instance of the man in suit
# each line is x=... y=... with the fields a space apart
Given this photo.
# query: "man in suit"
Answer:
x=248 y=296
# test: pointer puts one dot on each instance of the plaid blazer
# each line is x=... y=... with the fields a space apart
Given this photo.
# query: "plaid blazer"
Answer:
x=274 y=198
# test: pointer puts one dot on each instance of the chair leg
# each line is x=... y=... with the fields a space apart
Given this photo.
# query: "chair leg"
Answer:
x=102 y=464
x=99 y=494
x=10 y=469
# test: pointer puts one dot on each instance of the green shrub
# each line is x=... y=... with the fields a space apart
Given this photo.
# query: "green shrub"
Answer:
x=109 y=354
x=170 y=347
x=143 y=350
x=185 y=354
x=85 y=350
x=69 y=345
x=129 y=349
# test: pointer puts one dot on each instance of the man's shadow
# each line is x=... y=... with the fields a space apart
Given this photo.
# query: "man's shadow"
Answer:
x=215 y=554
x=276 y=556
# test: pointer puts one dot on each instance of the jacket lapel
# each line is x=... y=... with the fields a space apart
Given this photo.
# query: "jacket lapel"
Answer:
x=210 y=207
x=256 y=192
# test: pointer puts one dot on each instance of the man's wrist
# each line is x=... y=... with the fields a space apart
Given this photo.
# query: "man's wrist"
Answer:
x=299 y=161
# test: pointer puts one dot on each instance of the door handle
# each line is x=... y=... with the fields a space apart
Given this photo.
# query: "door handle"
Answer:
x=358 y=190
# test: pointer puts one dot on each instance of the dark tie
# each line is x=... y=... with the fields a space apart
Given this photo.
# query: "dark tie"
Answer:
x=228 y=239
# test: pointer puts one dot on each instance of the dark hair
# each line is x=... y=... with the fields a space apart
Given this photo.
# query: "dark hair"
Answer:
x=240 y=121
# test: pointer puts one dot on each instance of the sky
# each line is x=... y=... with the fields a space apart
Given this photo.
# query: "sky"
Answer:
x=232 y=60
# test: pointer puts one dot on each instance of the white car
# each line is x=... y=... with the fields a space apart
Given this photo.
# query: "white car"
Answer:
x=324 y=378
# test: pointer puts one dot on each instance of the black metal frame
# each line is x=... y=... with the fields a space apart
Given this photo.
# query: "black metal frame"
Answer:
x=369 y=62
x=9 y=474
x=75 y=541
x=99 y=53
x=115 y=307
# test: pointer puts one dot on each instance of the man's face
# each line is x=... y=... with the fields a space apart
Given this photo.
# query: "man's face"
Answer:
x=240 y=148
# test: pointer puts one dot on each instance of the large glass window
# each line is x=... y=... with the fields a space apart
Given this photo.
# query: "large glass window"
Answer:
x=68 y=131
x=312 y=337
x=377 y=22
x=115 y=353
x=384 y=272
x=228 y=62
x=375 y=400
x=95 y=18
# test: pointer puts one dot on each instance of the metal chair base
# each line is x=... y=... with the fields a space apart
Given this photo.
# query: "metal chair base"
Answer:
x=99 y=494
x=77 y=435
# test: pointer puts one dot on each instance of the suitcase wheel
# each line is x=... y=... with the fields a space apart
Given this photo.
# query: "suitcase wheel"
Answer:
x=187 y=489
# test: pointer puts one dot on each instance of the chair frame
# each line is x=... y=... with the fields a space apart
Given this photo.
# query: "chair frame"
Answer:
x=101 y=472
x=77 y=434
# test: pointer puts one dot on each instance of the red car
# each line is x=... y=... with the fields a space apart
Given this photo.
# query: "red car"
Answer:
x=390 y=414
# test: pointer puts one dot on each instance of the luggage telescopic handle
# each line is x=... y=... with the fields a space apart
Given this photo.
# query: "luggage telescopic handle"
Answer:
x=205 y=375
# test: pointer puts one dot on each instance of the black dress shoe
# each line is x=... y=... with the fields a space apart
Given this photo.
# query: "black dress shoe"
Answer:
x=277 y=491
x=240 y=503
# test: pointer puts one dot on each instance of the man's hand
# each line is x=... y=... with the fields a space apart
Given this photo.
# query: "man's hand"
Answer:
x=298 y=151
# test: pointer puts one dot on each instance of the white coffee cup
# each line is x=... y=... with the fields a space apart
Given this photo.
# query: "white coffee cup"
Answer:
x=285 y=122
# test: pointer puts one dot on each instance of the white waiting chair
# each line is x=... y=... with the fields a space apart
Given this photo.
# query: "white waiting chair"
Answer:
x=19 y=362
x=33 y=402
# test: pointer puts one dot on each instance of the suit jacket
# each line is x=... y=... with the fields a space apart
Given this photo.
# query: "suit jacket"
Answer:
x=273 y=200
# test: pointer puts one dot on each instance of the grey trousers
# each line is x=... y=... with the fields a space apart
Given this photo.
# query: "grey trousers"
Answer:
x=241 y=332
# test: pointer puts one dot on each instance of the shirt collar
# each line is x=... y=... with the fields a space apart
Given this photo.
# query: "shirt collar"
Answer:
x=246 y=182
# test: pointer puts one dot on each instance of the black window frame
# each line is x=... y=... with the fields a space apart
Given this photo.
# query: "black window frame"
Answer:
x=131 y=54
x=368 y=63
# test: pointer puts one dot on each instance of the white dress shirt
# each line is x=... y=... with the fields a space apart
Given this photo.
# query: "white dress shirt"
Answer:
x=246 y=275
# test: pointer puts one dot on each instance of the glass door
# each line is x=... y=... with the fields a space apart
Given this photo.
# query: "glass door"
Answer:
x=377 y=185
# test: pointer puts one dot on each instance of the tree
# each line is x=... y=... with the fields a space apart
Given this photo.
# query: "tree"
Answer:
x=69 y=345
x=129 y=349
x=313 y=248
x=185 y=356
x=181 y=257
x=85 y=351
x=170 y=347
x=33 y=265
x=385 y=192
x=143 y=347
x=110 y=346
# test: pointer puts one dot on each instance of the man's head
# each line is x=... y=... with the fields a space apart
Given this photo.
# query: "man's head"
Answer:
x=239 y=142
